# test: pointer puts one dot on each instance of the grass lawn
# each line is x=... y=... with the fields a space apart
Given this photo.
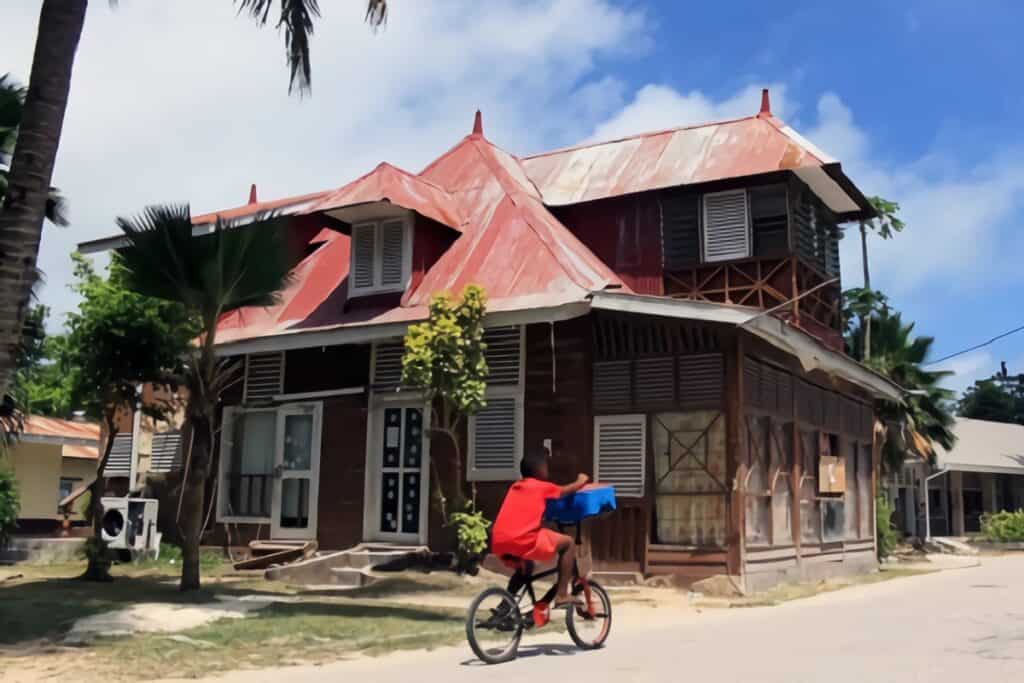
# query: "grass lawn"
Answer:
x=38 y=609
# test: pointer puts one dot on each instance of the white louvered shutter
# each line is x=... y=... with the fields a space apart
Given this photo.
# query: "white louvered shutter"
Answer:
x=392 y=253
x=496 y=440
x=166 y=455
x=363 y=255
x=387 y=364
x=264 y=376
x=726 y=231
x=620 y=447
x=119 y=464
x=504 y=353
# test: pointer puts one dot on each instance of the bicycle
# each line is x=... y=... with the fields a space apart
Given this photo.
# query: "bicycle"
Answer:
x=497 y=619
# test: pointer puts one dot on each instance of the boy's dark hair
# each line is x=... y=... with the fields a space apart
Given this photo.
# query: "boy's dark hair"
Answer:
x=531 y=463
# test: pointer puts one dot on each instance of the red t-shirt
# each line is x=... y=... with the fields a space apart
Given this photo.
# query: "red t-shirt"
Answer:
x=520 y=517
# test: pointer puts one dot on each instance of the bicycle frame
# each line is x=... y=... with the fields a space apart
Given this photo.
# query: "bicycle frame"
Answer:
x=578 y=585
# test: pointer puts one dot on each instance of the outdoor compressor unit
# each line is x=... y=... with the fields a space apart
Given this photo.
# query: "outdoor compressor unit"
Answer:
x=130 y=524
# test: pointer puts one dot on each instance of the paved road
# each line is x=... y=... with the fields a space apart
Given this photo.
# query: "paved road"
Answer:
x=960 y=625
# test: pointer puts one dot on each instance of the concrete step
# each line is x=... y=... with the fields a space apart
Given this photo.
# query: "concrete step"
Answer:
x=348 y=577
x=320 y=569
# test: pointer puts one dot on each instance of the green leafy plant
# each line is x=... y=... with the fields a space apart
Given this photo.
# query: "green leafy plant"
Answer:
x=471 y=530
x=444 y=358
x=95 y=550
x=1004 y=526
x=10 y=504
x=887 y=535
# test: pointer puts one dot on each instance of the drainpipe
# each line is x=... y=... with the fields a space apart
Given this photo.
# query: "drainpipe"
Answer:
x=927 y=507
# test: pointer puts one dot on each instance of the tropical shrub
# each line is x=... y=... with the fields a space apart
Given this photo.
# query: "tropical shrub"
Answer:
x=1003 y=527
x=471 y=530
x=887 y=535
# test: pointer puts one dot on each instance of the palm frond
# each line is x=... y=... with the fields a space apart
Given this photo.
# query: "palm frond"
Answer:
x=57 y=208
x=296 y=20
x=12 y=103
x=376 y=13
x=234 y=266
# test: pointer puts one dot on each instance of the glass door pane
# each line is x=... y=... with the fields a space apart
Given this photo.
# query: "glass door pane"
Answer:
x=400 y=470
x=295 y=512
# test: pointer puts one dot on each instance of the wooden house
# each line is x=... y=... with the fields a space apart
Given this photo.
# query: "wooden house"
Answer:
x=664 y=311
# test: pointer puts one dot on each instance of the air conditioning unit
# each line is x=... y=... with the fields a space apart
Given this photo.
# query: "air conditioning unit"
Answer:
x=130 y=524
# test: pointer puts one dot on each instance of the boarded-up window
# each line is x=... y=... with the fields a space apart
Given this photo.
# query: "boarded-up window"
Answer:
x=810 y=509
x=264 y=376
x=689 y=454
x=680 y=230
x=782 y=495
x=495 y=439
x=758 y=483
x=620 y=453
x=849 y=455
x=726 y=229
x=865 y=497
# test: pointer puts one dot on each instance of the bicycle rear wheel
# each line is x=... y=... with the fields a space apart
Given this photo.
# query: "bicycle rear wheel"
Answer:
x=590 y=631
x=494 y=626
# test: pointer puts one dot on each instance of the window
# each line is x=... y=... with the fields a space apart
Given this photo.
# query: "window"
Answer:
x=620 y=450
x=496 y=437
x=67 y=485
x=381 y=257
x=119 y=462
x=264 y=376
x=496 y=432
x=726 y=228
x=248 y=441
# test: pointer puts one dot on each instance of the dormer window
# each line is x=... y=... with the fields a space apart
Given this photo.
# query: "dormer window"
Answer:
x=381 y=256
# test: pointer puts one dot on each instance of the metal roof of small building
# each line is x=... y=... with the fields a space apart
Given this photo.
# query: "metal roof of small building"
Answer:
x=78 y=439
x=984 y=446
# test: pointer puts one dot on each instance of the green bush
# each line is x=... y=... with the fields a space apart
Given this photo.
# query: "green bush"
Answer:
x=887 y=534
x=1003 y=527
x=10 y=504
x=471 y=530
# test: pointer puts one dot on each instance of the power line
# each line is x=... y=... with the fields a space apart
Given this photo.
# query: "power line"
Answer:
x=978 y=346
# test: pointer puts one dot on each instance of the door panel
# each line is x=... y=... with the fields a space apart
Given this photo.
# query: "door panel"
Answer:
x=399 y=458
x=296 y=481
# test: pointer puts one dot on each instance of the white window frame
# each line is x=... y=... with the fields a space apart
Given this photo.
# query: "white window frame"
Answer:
x=378 y=258
x=630 y=418
x=227 y=432
x=511 y=474
x=749 y=243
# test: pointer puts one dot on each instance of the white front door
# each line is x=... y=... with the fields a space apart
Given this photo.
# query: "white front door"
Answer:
x=296 y=472
x=397 y=482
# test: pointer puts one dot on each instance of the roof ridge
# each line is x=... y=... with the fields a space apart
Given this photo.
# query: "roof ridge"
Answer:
x=409 y=174
x=645 y=134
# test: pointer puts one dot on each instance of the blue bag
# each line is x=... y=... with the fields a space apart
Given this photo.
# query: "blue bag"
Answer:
x=591 y=501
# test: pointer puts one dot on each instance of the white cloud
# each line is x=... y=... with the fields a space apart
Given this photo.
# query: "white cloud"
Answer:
x=966 y=369
x=187 y=101
x=656 y=107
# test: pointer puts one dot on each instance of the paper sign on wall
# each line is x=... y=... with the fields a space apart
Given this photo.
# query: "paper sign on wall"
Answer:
x=831 y=474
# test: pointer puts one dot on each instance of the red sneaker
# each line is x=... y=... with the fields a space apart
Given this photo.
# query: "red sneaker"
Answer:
x=541 y=614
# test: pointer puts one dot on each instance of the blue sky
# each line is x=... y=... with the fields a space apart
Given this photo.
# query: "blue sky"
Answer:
x=920 y=100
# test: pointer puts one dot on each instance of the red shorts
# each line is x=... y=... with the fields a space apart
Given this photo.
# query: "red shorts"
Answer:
x=539 y=546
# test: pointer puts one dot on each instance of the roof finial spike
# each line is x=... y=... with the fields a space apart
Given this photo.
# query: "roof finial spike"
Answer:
x=766 y=103
x=478 y=124
x=252 y=194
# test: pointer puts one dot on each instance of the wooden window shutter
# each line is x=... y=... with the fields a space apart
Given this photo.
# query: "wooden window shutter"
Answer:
x=680 y=230
x=166 y=453
x=613 y=386
x=364 y=252
x=387 y=364
x=495 y=440
x=119 y=464
x=701 y=379
x=655 y=381
x=620 y=453
x=726 y=229
x=504 y=354
x=392 y=238
x=264 y=376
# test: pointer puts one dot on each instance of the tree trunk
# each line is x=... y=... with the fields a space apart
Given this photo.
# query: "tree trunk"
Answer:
x=865 y=321
x=193 y=495
x=98 y=568
x=24 y=207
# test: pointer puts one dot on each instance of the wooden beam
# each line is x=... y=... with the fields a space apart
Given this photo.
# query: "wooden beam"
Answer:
x=736 y=468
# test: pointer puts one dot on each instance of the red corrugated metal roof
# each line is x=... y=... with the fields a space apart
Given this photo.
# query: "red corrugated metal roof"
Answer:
x=679 y=156
x=388 y=183
x=68 y=429
x=284 y=205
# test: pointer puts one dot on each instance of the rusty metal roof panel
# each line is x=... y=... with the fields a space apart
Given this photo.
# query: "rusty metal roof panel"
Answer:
x=388 y=183
x=682 y=156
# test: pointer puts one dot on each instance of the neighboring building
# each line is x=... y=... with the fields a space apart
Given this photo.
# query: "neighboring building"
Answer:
x=984 y=472
x=664 y=309
x=52 y=458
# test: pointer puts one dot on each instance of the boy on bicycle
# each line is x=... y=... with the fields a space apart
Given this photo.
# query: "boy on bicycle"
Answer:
x=518 y=531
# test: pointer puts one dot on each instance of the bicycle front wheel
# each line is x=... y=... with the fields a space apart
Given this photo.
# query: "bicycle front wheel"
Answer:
x=589 y=631
x=494 y=626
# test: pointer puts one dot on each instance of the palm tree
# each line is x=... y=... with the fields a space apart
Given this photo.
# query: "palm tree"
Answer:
x=926 y=416
x=885 y=224
x=211 y=275
x=28 y=195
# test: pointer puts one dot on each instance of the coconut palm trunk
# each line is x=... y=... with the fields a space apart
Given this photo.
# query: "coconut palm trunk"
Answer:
x=28 y=190
x=865 y=321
